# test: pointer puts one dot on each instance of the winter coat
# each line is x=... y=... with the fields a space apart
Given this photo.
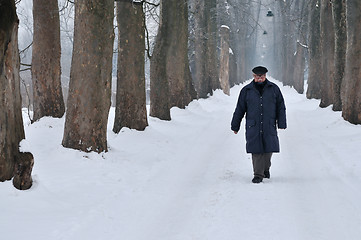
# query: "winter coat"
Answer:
x=263 y=113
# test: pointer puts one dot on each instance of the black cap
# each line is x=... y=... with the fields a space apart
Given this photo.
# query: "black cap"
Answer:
x=259 y=70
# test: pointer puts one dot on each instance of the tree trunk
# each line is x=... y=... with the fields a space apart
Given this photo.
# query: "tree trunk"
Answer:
x=204 y=68
x=314 y=41
x=169 y=64
x=159 y=87
x=287 y=46
x=339 y=19
x=278 y=44
x=23 y=167
x=130 y=108
x=239 y=45
x=351 y=105
x=300 y=55
x=181 y=87
x=326 y=75
x=90 y=77
x=211 y=44
x=11 y=122
x=299 y=66
x=45 y=70
x=199 y=70
x=224 y=60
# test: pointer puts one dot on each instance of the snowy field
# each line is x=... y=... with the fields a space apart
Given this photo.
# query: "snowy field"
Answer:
x=190 y=179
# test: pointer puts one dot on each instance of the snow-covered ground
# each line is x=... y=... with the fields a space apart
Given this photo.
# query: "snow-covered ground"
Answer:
x=190 y=178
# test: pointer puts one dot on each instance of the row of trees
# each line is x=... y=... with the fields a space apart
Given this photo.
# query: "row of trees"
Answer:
x=323 y=39
x=89 y=95
x=184 y=61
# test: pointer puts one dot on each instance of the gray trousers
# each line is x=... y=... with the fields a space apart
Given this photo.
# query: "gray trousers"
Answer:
x=261 y=163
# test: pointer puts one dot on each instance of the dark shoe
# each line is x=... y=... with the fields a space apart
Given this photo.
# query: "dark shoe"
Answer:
x=257 y=179
x=267 y=174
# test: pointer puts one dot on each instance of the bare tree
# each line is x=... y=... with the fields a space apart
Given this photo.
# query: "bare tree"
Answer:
x=171 y=83
x=204 y=71
x=300 y=53
x=46 y=72
x=351 y=101
x=241 y=16
x=314 y=42
x=90 y=77
x=288 y=42
x=224 y=60
x=11 y=122
x=326 y=73
x=130 y=101
x=339 y=19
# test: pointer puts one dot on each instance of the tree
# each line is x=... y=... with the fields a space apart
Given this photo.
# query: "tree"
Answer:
x=90 y=78
x=46 y=72
x=204 y=71
x=339 y=20
x=326 y=73
x=314 y=51
x=300 y=55
x=351 y=100
x=224 y=60
x=130 y=101
x=288 y=42
x=170 y=77
x=11 y=122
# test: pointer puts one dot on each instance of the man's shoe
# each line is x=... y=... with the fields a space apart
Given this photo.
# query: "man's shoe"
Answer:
x=257 y=179
x=267 y=174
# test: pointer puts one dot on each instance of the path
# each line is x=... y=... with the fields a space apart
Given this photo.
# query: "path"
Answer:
x=190 y=179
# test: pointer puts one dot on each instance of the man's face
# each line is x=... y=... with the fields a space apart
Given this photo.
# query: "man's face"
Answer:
x=259 y=77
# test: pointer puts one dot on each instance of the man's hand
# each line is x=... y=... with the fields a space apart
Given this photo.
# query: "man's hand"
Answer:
x=235 y=132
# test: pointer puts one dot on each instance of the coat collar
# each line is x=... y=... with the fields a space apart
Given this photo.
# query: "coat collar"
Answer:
x=252 y=86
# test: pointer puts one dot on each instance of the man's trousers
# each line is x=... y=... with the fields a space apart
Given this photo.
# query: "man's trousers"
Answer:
x=261 y=163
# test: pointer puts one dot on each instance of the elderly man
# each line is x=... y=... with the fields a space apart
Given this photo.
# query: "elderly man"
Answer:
x=264 y=106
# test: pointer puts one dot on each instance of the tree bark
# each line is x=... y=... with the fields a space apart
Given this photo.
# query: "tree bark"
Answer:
x=300 y=55
x=351 y=105
x=326 y=75
x=170 y=75
x=339 y=19
x=199 y=71
x=130 y=108
x=45 y=70
x=159 y=87
x=299 y=64
x=23 y=167
x=224 y=60
x=11 y=122
x=211 y=44
x=90 y=77
x=205 y=76
x=314 y=42
x=288 y=44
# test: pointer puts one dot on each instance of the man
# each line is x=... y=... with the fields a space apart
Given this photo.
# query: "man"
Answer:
x=263 y=104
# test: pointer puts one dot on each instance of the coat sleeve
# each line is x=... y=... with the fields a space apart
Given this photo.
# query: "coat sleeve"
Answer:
x=239 y=112
x=281 y=111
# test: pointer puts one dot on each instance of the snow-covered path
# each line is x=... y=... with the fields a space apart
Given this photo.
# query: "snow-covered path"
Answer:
x=190 y=178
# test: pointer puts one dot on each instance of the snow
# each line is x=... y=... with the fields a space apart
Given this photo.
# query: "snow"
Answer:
x=225 y=26
x=190 y=178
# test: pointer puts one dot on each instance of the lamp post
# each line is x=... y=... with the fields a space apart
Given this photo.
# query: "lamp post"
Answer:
x=269 y=13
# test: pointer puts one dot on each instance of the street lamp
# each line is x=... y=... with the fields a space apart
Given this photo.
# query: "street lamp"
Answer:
x=269 y=13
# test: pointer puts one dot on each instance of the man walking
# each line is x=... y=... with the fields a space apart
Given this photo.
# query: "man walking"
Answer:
x=265 y=110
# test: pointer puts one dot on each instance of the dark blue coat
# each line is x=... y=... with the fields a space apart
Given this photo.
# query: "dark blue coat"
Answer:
x=263 y=113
